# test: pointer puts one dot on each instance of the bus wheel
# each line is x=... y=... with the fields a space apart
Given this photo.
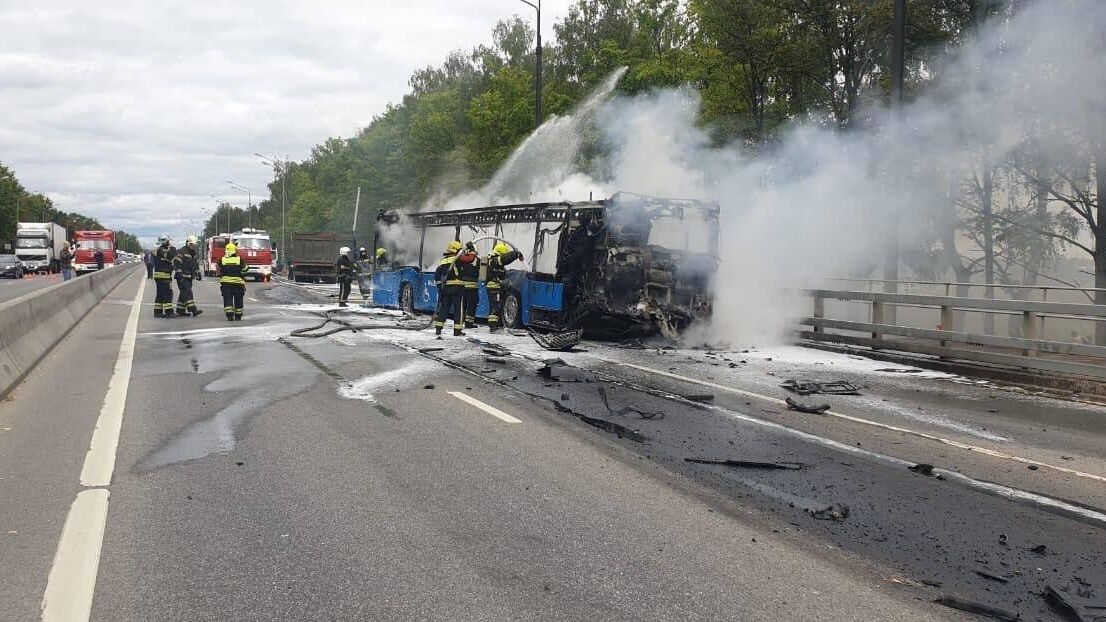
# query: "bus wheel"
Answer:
x=512 y=310
x=407 y=299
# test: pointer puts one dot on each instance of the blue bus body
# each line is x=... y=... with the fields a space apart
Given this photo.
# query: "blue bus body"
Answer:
x=533 y=294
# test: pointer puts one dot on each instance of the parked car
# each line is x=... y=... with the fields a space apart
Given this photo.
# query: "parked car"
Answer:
x=11 y=266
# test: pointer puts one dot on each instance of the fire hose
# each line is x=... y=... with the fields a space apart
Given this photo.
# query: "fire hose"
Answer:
x=344 y=325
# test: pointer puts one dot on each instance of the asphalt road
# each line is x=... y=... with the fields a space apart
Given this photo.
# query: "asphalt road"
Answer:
x=382 y=474
x=14 y=288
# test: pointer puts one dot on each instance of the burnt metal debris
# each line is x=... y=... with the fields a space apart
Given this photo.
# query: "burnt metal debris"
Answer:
x=748 y=464
x=807 y=387
x=561 y=341
x=834 y=512
x=628 y=409
x=971 y=606
x=819 y=409
x=923 y=469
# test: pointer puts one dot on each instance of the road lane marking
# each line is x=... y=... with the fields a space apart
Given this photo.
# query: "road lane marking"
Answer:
x=877 y=424
x=99 y=462
x=254 y=300
x=491 y=410
x=72 y=579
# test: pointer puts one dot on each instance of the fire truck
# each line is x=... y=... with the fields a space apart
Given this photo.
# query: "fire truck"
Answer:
x=89 y=243
x=213 y=252
x=256 y=250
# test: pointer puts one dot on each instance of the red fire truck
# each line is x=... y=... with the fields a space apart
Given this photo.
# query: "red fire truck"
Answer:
x=89 y=244
x=256 y=249
x=213 y=252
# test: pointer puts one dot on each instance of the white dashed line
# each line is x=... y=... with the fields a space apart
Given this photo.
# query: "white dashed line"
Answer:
x=491 y=410
x=72 y=580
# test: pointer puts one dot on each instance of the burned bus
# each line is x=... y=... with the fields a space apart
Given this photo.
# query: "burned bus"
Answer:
x=630 y=264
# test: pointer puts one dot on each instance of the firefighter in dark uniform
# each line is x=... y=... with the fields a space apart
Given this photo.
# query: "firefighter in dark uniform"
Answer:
x=469 y=261
x=496 y=281
x=232 y=281
x=345 y=271
x=381 y=258
x=185 y=268
x=451 y=290
x=163 y=275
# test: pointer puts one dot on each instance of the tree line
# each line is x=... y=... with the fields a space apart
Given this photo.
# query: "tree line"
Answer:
x=17 y=204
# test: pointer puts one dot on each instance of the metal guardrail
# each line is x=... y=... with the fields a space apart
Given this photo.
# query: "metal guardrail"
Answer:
x=1027 y=351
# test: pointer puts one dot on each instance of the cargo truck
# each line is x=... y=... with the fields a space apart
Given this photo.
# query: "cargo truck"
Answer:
x=38 y=245
x=315 y=255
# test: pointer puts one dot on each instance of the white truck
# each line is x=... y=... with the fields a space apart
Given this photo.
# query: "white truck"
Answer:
x=38 y=245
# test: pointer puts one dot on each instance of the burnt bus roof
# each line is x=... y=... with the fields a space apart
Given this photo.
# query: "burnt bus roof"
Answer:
x=655 y=207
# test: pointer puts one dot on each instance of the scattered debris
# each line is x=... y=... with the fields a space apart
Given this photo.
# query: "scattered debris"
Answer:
x=804 y=408
x=1074 y=607
x=835 y=512
x=971 y=606
x=923 y=469
x=1032 y=467
x=429 y=350
x=428 y=386
x=1040 y=549
x=612 y=427
x=564 y=397
x=564 y=373
x=1003 y=539
x=805 y=387
x=496 y=360
x=746 y=464
x=987 y=574
x=560 y=342
x=700 y=397
x=898 y=370
x=628 y=409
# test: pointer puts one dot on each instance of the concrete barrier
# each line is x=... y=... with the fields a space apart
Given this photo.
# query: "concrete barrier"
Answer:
x=31 y=325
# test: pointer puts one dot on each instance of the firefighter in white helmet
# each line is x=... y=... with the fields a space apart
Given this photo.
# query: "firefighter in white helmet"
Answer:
x=345 y=270
x=185 y=268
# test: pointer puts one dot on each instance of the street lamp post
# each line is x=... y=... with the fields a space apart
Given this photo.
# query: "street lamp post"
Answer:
x=249 y=199
x=537 y=74
x=222 y=202
x=282 y=170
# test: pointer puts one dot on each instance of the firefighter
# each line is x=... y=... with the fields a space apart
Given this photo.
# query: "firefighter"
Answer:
x=451 y=290
x=364 y=272
x=186 y=268
x=469 y=260
x=163 y=275
x=496 y=281
x=345 y=271
x=381 y=258
x=232 y=282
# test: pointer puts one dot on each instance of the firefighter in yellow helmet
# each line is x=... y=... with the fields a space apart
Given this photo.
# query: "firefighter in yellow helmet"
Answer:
x=496 y=282
x=451 y=289
x=469 y=260
x=232 y=281
x=381 y=258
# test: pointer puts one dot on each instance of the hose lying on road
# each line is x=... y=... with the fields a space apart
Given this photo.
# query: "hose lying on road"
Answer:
x=343 y=325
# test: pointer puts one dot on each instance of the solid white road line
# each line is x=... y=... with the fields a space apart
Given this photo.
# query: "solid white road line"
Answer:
x=72 y=580
x=491 y=410
x=885 y=426
x=99 y=462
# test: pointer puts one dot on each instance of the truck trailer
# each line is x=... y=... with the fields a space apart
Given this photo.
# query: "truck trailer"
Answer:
x=38 y=245
x=315 y=255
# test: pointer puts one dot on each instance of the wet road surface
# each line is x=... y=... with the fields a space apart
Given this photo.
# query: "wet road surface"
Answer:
x=381 y=474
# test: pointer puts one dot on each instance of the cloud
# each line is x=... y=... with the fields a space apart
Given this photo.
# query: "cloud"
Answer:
x=134 y=112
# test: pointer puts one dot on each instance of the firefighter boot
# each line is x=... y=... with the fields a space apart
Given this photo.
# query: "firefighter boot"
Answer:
x=196 y=312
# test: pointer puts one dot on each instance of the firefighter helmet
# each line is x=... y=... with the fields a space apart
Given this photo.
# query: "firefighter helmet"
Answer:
x=343 y=251
x=380 y=252
x=190 y=239
x=163 y=239
x=453 y=247
x=231 y=248
x=501 y=248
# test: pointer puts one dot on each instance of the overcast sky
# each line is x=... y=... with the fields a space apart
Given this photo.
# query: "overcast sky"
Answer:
x=133 y=112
